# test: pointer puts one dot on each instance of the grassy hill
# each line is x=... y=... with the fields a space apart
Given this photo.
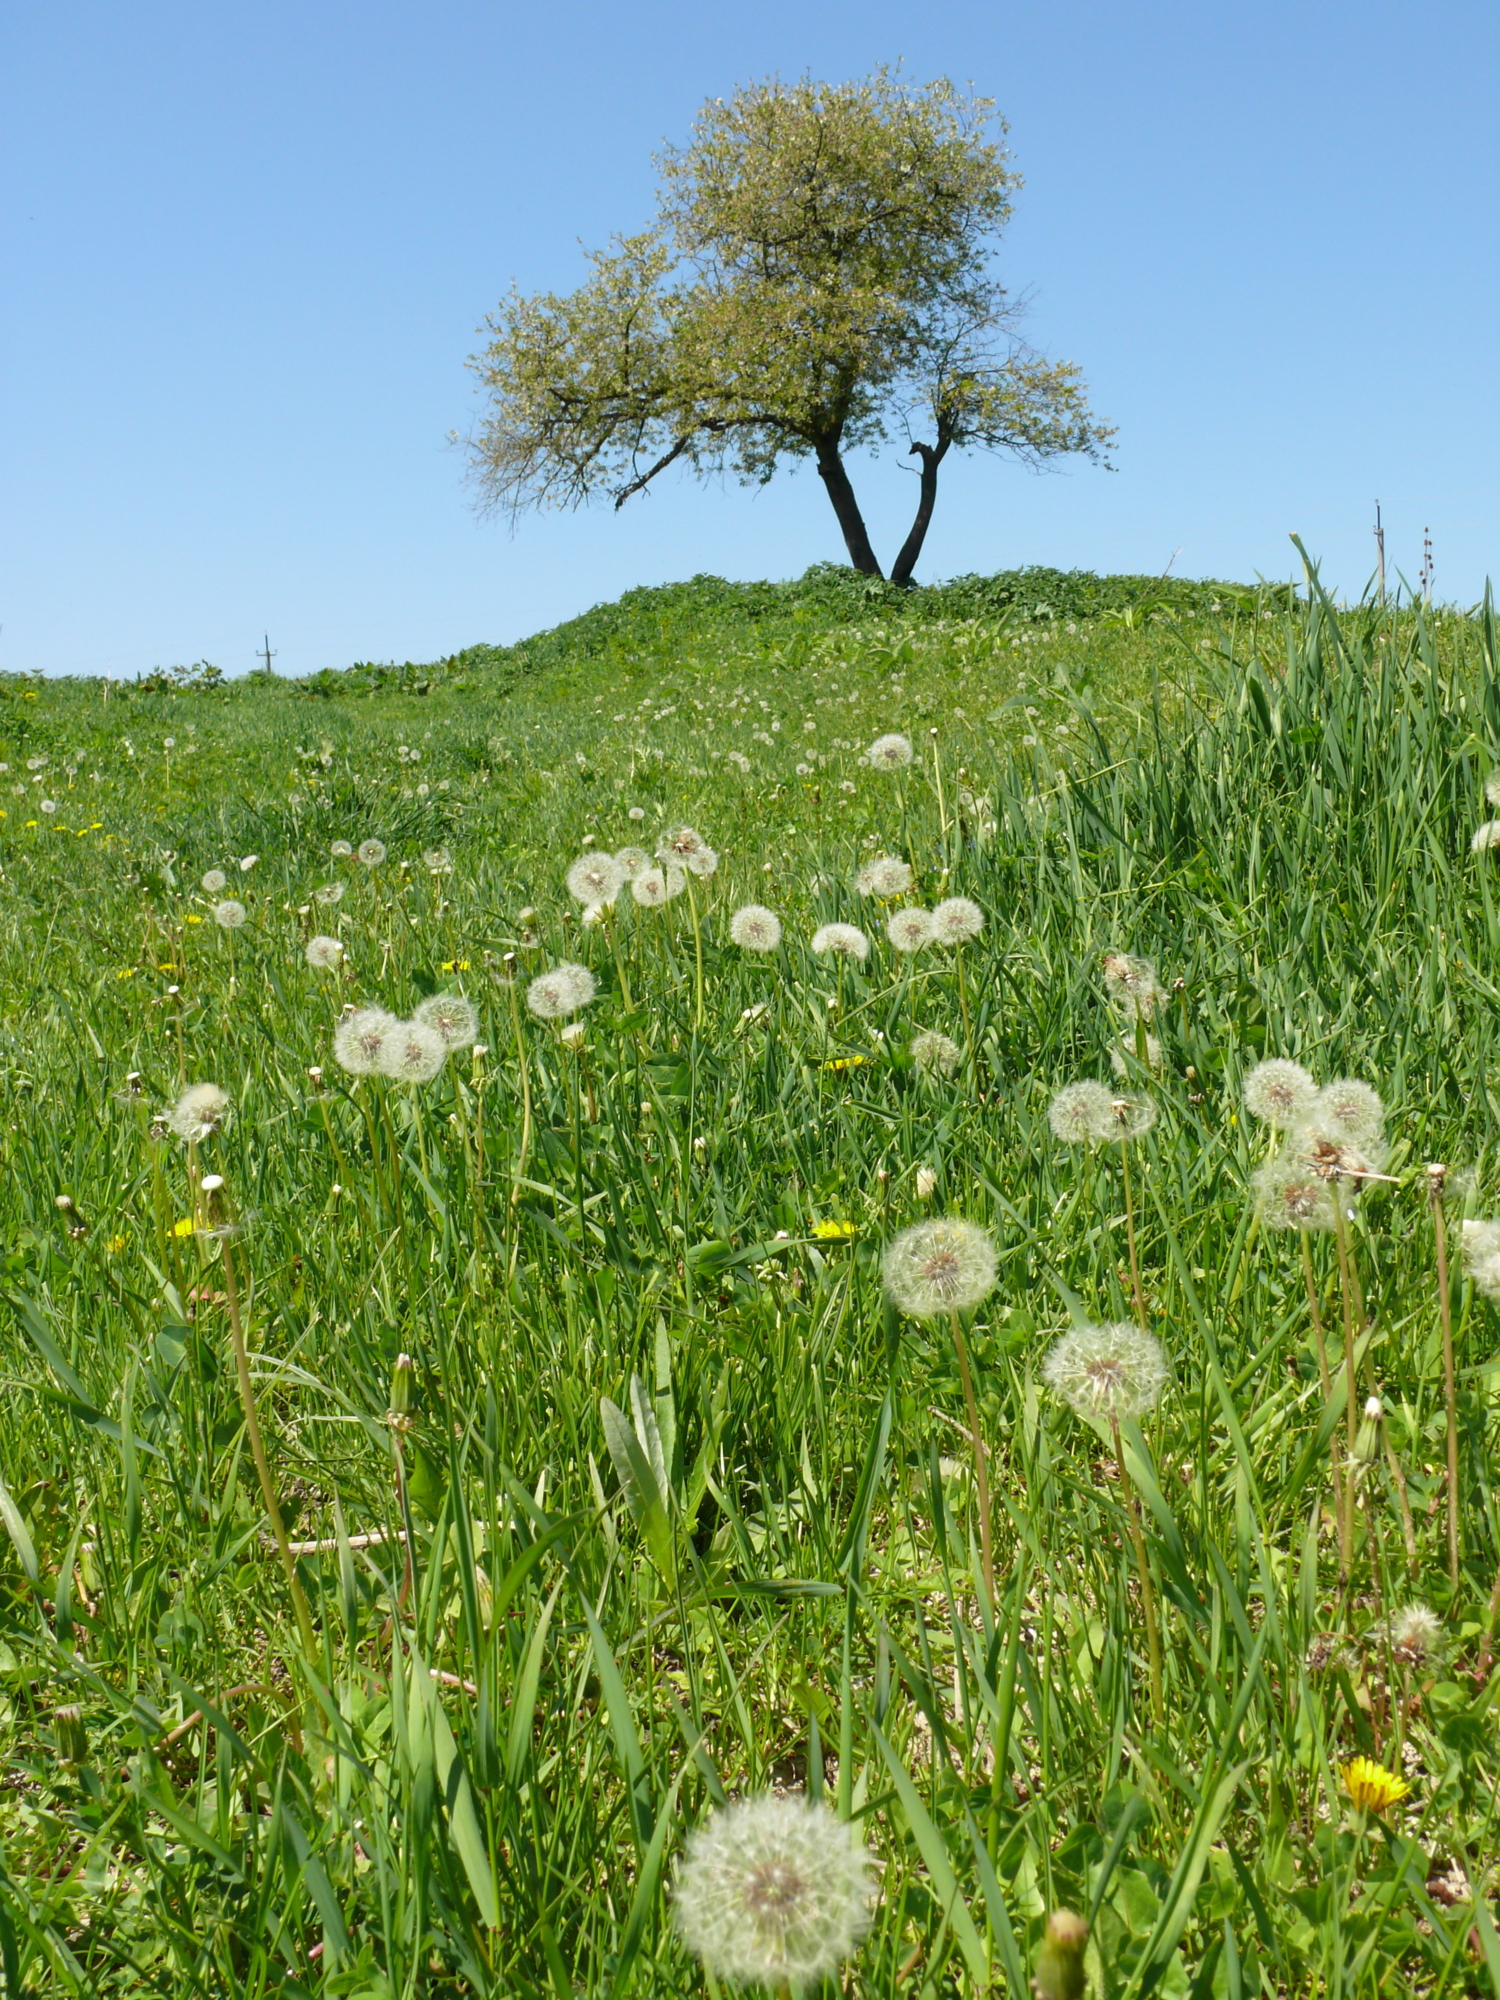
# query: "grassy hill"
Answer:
x=614 y=1478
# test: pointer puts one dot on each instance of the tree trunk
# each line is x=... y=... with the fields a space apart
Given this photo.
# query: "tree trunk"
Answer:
x=841 y=493
x=932 y=457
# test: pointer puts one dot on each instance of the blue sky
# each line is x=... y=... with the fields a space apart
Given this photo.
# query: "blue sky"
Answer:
x=246 y=252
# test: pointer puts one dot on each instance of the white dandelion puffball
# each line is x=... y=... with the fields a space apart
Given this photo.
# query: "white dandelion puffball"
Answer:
x=214 y=883
x=702 y=864
x=437 y=860
x=1126 y=1118
x=595 y=878
x=909 y=929
x=1132 y=984
x=654 y=887
x=887 y=875
x=944 y=1266
x=412 y=1053
x=1485 y=837
x=934 y=1054
x=890 y=753
x=341 y=850
x=1114 y=1372
x=956 y=920
x=370 y=853
x=451 y=1017
x=679 y=844
x=324 y=954
x=632 y=861
x=1078 y=1111
x=846 y=940
x=331 y=892
x=1492 y=788
x=755 y=928
x=553 y=995
x=1280 y=1093
x=1481 y=1255
x=1121 y=1058
x=1290 y=1195
x=360 y=1037
x=202 y=1108
x=230 y=915
x=1349 y=1111
x=773 y=1891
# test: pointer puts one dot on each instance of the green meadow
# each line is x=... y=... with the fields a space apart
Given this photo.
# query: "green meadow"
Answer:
x=431 y=1499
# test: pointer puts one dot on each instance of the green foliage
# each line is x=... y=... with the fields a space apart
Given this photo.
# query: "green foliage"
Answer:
x=818 y=279
x=682 y=1511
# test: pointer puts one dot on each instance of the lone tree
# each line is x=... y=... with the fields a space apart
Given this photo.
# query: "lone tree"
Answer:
x=818 y=276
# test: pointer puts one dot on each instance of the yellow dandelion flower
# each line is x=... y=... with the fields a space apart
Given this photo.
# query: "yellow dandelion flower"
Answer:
x=195 y=920
x=455 y=965
x=117 y=1244
x=846 y=1062
x=126 y=972
x=1371 y=1786
x=185 y=1227
x=835 y=1232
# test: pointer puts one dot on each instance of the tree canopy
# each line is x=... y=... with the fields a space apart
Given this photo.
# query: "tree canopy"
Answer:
x=819 y=277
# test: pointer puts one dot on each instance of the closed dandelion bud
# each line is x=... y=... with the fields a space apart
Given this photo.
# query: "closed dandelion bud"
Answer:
x=1367 y=1437
x=1059 y=1972
x=70 y=1736
x=403 y=1386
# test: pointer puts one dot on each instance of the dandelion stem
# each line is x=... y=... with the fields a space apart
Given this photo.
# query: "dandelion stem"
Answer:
x=963 y=1003
x=525 y=1146
x=1436 y=1174
x=1143 y=1574
x=614 y=944
x=1351 y=1394
x=1325 y=1379
x=258 y=1453
x=1135 y=1270
x=981 y=1463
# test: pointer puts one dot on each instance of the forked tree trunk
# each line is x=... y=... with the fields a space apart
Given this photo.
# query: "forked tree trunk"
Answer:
x=932 y=457
x=841 y=493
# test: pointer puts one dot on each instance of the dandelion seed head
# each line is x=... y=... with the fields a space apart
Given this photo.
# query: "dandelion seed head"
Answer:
x=341 y=850
x=553 y=995
x=331 y=892
x=890 y=753
x=955 y=920
x=773 y=1891
x=1127 y=1118
x=1415 y=1635
x=595 y=878
x=1481 y=1256
x=202 y=1108
x=702 y=864
x=1492 y=788
x=1114 y=1372
x=1078 y=1112
x=437 y=860
x=934 y=1054
x=370 y=853
x=1289 y=1194
x=324 y=954
x=679 y=843
x=230 y=915
x=654 y=887
x=938 y=1267
x=411 y=1052
x=1486 y=836
x=1280 y=1093
x=360 y=1037
x=632 y=861
x=215 y=882
x=887 y=875
x=1132 y=985
x=755 y=928
x=1349 y=1111
x=909 y=929
x=452 y=1018
x=843 y=940
x=927 y=1181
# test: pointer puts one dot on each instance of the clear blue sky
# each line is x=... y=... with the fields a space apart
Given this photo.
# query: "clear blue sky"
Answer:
x=246 y=250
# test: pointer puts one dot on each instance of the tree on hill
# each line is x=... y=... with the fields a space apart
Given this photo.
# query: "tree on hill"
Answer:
x=818 y=278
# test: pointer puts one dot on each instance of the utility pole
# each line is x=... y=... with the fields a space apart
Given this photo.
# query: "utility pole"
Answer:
x=1427 y=566
x=1380 y=550
x=266 y=654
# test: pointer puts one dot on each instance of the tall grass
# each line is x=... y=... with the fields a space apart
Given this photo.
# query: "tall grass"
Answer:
x=679 y=1509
